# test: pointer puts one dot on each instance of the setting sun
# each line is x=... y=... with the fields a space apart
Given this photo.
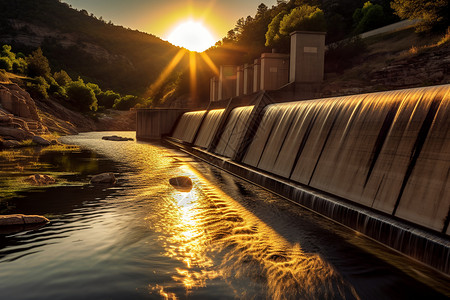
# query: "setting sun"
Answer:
x=191 y=35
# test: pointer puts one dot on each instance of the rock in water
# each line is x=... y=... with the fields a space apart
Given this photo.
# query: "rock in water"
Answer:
x=18 y=219
x=181 y=183
x=41 y=141
x=116 y=138
x=107 y=178
x=38 y=179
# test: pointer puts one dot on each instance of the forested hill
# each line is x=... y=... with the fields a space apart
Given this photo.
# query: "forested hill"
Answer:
x=114 y=57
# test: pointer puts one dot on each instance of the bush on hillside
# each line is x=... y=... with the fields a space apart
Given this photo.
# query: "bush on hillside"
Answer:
x=431 y=14
x=369 y=17
x=126 y=102
x=62 y=78
x=81 y=96
x=107 y=99
x=38 y=64
x=6 y=64
x=38 y=88
x=305 y=17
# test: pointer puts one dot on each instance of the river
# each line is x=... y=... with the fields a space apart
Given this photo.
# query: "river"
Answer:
x=226 y=239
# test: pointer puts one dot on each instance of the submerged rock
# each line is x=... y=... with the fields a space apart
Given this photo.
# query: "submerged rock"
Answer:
x=107 y=178
x=39 y=179
x=40 y=141
x=19 y=219
x=181 y=183
x=9 y=143
x=116 y=138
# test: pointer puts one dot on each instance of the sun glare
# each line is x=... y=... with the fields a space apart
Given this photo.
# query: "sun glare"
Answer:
x=192 y=36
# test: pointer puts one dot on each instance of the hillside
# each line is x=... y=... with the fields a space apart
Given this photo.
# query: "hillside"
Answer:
x=125 y=60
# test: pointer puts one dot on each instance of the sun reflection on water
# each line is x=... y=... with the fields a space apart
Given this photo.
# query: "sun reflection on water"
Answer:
x=215 y=237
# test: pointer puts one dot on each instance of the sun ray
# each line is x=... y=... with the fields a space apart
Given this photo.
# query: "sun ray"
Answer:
x=166 y=72
x=210 y=63
x=193 y=73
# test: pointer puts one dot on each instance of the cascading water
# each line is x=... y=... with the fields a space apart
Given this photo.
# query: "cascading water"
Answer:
x=188 y=125
x=209 y=128
x=233 y=134
x=388 y=151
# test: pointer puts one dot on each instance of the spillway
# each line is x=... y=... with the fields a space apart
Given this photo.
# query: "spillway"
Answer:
x=209 y=128
x=386 y=153
x=188 y=125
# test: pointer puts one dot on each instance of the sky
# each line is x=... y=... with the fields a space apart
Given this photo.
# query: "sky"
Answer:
x=161 y=17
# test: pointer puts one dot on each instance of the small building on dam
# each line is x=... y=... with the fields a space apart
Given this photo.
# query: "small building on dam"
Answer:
x=378 y=163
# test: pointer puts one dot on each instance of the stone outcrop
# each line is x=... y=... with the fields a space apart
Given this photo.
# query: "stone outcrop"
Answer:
x=17 y=101
x=19 y=119
x=417 y=70
x=104 y=178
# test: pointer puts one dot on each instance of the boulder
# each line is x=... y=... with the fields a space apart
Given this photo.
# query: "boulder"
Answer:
x=39 y=179
x=116 y=138
x=181 y=183
x=18 y=219
x=15 y=133
x=10 y=143
x=5 y=119
x=41 y=141
x=106 y=178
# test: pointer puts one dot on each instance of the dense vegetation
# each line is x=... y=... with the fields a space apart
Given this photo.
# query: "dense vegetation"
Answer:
x=42 y=84
x=125 y=60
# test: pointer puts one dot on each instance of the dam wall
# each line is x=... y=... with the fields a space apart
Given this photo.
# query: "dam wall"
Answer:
x=153 y=124
x=378 y=163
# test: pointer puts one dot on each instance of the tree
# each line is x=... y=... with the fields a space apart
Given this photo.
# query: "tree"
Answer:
x=126 y=102
x=38 y=64
x=369 y=17
x=81 y=96
x=107 y=99
x=62 y=78
x=262 y=9
x=6 y=52
x=433 y=14
x=273 y=30
x=5 y=64
x=305 y=17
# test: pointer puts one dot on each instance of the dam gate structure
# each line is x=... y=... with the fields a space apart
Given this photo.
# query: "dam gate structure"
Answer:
x=378 y=163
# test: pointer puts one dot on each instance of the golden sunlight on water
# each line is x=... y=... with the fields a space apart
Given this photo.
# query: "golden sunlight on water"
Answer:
x=217 y=238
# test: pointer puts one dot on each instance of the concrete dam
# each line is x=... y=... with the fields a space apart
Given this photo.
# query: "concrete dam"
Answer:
x=378 y=163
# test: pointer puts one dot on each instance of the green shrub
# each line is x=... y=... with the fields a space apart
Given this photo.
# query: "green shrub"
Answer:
x=107 y=99
x=38 y=88
x=369 y=17
x=305 y=17
x=126 y=102
x=19 y=66
x=97 y=90
x=81 y=96
x=38 y=64
x=6 y=64
x=431 y=14
x=273 y=30
x=6 y=52
x=62 y=78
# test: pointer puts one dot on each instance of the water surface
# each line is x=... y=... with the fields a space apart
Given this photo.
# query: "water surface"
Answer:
x=225 y=239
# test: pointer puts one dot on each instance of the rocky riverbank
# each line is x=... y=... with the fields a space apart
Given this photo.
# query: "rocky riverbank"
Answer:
x=25 y=121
